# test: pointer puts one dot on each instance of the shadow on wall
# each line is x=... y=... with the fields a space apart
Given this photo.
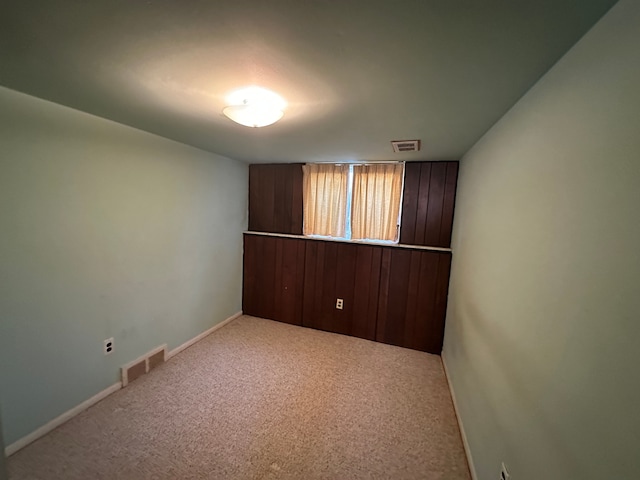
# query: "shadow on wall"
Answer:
x=486 y=335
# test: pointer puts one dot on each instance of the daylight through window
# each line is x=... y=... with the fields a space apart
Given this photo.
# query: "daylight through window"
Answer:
x=358 y=202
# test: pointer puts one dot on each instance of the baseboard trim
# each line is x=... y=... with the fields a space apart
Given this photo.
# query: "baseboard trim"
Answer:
x=56 y=422
x=465 y=442
x=197 y=338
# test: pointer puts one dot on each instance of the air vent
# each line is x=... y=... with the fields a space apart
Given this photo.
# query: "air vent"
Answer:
x=405 y=145
x=143 y=364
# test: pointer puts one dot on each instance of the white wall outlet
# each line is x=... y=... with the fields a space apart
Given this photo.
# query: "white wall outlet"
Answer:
x=339 y=303
x=107 y=346
x=504 y=475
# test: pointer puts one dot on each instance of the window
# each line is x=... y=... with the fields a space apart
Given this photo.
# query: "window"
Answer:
x=353 y=202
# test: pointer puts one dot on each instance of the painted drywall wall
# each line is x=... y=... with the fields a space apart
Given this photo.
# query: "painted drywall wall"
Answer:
x=107 y=231
x=542 y=327
x=3 y=464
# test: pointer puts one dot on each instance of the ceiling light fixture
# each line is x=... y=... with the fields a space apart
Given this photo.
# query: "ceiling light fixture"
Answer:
x=254 y=107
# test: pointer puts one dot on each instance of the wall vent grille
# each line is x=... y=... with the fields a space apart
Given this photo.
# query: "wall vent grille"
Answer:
x=143 y=364
x=405 y=145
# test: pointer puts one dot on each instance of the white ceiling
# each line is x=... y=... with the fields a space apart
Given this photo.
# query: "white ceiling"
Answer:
x=356 y=74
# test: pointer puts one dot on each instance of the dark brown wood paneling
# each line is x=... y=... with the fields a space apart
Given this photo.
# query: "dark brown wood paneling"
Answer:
x=411 y=312
x=313 y=278
x=428 y=203
x=366 y=289
x=288 y=280
x=255 y=217
x=273 y=278
x=393 y=304
x=249 y=273
x=436 y=201
x=296 y=200
x=392 y=295
x=413 y=294
x=426 y=316
x=275 y=198
x=423 y=204
x=266 y=276
x=319 y=285
x=383 y=302
x=262 y=198
x=327 y=284
x=341 y=270
x=343 y=320
x=410 y=202
x=280 y=200
x=451 y=183
x=436 y=335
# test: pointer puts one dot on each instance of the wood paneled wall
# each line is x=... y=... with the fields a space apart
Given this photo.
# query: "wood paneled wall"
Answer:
x=275 y=201
x=335 y=270
x=275 y=198
x=391 y=295
x=273 y=278
x=428 y=201
x=413 y=299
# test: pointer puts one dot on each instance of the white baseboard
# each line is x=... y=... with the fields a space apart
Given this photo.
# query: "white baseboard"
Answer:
x=196 y=339
x=69 y=414
x=56 y=422
x=465 y=442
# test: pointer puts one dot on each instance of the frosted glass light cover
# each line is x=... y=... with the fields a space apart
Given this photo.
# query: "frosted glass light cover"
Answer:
x=254 y=107
x=253 y=116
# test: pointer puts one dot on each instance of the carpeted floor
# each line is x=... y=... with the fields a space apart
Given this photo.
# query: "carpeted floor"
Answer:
x=259 y=399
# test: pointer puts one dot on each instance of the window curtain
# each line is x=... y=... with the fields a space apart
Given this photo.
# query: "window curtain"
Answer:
x=325 y=199
x=377 y=190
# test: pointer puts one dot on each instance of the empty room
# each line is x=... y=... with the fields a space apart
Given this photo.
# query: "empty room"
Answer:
x=320 y=239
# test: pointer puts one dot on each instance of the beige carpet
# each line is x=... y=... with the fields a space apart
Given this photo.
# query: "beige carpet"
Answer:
x=259 y=399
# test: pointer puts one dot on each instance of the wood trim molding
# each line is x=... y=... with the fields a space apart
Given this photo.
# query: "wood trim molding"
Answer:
x=358 y=242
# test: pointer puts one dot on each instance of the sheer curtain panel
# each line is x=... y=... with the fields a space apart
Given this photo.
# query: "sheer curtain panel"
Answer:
x=377 y=190
x=325 y=199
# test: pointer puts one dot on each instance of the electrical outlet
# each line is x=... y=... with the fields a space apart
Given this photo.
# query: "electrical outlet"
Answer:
x=107 y=346
x=504 y=475
x=339 y=303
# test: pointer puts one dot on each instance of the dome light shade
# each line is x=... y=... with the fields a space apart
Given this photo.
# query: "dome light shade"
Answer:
x=252 y=116
x=254 y=107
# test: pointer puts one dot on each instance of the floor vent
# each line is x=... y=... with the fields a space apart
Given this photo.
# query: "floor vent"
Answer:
x=144 y=364
x=405 y=145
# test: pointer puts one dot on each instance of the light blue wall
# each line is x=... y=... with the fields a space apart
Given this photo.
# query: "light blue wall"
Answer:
x=107 y=231
x=543 y=325
x=3 y=465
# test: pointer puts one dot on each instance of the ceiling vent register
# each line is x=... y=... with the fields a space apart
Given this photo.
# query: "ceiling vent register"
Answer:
x=405 y=145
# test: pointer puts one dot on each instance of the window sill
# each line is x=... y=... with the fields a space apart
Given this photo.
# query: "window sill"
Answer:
x=358 y=242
